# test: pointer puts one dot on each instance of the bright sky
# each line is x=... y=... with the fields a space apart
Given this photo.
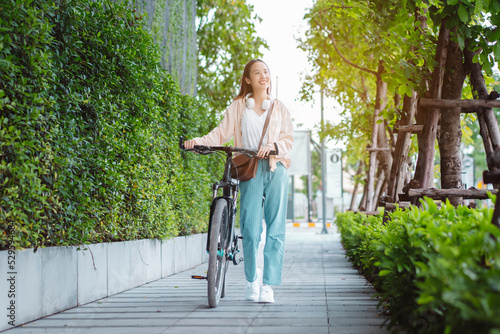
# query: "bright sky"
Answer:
x=283 y=22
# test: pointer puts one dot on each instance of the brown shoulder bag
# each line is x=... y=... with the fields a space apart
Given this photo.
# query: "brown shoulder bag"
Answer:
x=244 y=168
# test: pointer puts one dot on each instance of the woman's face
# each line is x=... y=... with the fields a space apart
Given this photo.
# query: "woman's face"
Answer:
x=259 y=77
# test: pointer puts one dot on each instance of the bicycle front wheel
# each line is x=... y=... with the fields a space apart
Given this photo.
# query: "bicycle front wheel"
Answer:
x=217 y=252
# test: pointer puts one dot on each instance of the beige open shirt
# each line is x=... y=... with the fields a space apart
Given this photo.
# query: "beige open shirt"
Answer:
x=280 y=131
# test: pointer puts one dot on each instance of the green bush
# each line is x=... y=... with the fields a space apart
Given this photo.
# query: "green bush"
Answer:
x=89 y=132
x=438 y=268
x=357 y=232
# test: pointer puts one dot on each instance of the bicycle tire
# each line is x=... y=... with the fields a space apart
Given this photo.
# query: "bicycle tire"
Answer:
x=217 y=253
x=230 y=248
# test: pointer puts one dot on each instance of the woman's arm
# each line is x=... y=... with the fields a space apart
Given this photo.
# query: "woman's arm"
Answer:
x=284 y=142
x=222 y=133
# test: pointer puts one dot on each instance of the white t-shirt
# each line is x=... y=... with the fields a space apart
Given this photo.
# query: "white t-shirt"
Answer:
x=251 y=129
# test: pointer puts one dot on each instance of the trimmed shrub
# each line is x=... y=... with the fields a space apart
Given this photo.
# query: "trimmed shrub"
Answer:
x=438 y=268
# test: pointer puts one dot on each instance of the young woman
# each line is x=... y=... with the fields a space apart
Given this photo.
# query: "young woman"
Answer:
x=264 y=196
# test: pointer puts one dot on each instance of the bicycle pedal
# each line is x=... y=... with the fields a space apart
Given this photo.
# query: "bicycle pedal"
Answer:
x=237 y=261
x=198 y=277
x=240 y=237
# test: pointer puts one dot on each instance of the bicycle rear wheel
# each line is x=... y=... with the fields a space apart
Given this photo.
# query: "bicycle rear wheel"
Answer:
x=217 y=252
x=231 y=249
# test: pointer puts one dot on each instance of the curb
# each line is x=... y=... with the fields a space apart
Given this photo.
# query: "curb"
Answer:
x=310 y=224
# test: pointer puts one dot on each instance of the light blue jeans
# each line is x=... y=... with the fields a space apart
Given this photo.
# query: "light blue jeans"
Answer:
x=274 y=187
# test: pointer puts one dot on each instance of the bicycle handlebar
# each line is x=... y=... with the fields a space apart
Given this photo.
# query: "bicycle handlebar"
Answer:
x=202 y=149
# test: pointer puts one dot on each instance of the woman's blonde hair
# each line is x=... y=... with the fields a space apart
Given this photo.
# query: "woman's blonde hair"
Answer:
x=245 y=87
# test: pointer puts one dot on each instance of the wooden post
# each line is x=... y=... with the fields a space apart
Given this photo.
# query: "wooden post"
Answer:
x=488 y=128
x=430 y=128
x=470 y=193
x=380 y=103
x=362 y=203
x=493 y=176
x=445 y=104
x=356 y=185
x=399 y=166
x=381 y=186
x=410 y=128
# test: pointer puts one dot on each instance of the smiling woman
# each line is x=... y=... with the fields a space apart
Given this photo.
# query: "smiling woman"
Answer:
x=266 y=193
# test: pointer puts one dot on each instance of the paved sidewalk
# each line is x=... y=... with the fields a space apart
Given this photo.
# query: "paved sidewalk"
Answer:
x=321 y=293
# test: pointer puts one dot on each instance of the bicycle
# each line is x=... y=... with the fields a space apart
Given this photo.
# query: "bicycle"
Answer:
x=222 y=242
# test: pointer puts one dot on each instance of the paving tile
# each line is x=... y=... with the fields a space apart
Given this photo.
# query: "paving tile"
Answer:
x=294 y=315
x=303 y=322
x=357 y=330
x=288 y=330
x=205 y=330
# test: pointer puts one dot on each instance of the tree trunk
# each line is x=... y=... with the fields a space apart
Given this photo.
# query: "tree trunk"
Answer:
x=451 y=132
x=380 y=103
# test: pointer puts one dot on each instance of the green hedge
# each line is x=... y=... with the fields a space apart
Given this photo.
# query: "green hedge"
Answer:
x=89 y=130
x=437 y=269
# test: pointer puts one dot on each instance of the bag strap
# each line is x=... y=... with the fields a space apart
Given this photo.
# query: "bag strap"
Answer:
x=266 y=123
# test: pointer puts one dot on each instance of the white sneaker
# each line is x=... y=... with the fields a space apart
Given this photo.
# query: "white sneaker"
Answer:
x=253 y=288
x=266 y=294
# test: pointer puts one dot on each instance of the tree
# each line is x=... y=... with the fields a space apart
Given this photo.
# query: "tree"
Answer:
x=227 y=41
x=347 y=39
x=354 y=58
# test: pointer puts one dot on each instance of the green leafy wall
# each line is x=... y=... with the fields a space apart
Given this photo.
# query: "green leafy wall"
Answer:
x=89 y=128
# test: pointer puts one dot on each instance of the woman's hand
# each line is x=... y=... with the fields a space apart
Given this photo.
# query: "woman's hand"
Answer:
x=263 y=152
x=189 y=144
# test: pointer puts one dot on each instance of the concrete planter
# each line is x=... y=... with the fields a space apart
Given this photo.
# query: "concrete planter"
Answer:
x=92 y=273
x=54 y=279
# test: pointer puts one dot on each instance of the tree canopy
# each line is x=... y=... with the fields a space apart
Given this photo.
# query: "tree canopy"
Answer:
x=348 y=40
x=227 y=41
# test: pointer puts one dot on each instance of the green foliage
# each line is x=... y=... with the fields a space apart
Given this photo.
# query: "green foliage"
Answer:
x=438 y=268
x=357 y=233
x=90 y=126
x=27 y=121
x=227 y=41
x=477 y=23
x=347 y=40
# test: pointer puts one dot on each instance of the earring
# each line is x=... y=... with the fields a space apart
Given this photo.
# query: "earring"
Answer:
x=250 y=102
